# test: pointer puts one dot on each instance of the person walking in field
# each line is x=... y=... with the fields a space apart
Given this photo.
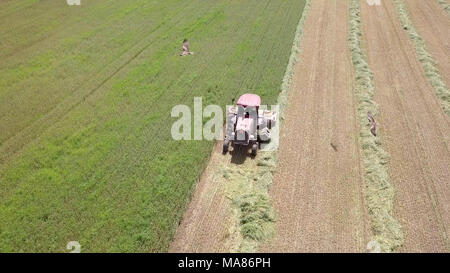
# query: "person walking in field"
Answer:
x=186 y=48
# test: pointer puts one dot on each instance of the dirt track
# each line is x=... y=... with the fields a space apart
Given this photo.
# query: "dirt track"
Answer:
x=317 y=190
x=414 y=128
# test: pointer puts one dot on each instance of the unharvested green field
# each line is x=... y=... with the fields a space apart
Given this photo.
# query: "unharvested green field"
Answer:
x=86 y=92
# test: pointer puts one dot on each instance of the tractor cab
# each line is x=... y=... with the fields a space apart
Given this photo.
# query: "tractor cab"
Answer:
x=249 y=100
x=247 y=125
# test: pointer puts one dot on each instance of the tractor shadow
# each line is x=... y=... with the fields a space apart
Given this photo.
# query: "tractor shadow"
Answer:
x=239 y=154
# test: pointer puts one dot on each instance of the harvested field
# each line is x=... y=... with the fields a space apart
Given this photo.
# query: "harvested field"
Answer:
x=415 y=131
x=433 y=26
x=318 y=186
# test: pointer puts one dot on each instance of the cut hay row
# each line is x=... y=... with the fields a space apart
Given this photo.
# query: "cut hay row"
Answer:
x=378 y=189
x=428 y=62
x=249 y=189
x=445 y=5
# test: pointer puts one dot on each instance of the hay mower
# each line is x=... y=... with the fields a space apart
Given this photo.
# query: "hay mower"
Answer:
x=248 y=125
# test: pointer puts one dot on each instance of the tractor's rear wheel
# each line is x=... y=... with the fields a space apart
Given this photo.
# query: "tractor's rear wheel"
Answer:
x=254 y=149
x=226 y=144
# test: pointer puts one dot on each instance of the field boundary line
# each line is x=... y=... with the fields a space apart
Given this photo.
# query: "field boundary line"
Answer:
x=379 y=191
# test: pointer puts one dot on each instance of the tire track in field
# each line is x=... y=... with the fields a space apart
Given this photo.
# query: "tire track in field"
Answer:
x=317 y=190
x=415 y=131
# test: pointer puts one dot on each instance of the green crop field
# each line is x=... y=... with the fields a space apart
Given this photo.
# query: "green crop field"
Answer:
x=86 y=93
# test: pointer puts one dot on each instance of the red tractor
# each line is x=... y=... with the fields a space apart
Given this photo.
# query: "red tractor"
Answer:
x=247 y=125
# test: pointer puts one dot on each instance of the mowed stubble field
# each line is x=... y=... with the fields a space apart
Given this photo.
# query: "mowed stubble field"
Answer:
x=415 y=128
x=322 y=204
x=85 y=98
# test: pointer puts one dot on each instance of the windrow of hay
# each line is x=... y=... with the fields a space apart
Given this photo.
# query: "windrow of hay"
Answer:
x=248 y=187
x=378 y=190
x=445 y=5
x=427 y=61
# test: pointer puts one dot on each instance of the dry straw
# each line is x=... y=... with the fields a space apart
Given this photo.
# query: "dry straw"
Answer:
x=378 y=189
x=445 y=5
x=427 y=61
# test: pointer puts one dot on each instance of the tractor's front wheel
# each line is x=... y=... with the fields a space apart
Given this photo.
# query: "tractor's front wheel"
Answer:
x=226 y=144
x=254 y=149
